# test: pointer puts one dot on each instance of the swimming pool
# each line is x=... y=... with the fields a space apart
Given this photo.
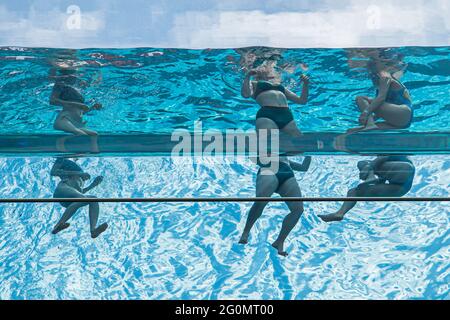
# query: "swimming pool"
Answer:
x=143 y=92
x=189 y=250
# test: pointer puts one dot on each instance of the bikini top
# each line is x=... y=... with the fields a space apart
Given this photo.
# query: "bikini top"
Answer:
x=262 y=86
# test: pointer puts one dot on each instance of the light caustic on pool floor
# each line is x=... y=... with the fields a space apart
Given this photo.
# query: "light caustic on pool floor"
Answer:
x=190 y=250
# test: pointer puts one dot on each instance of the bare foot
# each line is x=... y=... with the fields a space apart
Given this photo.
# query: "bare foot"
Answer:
x=331 y=217
x=279 y=247
x=99 y=230
x=60 y=227
x=244 y=239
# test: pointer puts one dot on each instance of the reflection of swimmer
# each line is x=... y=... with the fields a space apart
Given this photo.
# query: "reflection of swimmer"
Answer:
x=284 y=183
x=386 y=176
x=273 y=98
x=392 y=103
x=71 y=186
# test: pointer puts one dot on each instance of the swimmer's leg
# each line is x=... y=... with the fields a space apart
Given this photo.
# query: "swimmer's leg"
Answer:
x=292 y=129
x=265 y=123
x=94 y=139
x=346 y=207
x=70 y=211
x=395 y=171
x=396 y=116
x=66 y=125
x=363 y=104
x=289 y=188
x=94 y=209
x=266 y=185
x=264 y=128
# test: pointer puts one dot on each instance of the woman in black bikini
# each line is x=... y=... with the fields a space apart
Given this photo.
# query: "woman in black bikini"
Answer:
x=283 y=182
x=278 y=176
x=273 y=98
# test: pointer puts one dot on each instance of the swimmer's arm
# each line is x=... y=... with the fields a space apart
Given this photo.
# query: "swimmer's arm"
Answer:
x=55 y=100
x=247 y=87
x=75 y=105
x=303 y=98
x=304 y=166
x=94 y=184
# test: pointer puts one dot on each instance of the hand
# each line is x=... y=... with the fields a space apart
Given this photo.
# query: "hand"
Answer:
x=363 y=118
x=98 y=180
x=85 y=176
x=304 y=79
x=97 y=106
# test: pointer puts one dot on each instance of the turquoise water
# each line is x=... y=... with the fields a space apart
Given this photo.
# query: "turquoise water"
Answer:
x=155 y=94
x=190 y=251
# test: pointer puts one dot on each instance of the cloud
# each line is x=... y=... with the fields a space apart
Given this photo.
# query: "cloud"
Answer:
x=226 y=24
x=390 y=24
x=49 y=29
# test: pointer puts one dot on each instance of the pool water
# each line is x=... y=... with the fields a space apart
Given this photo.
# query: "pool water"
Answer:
x=190 y=251
x=145 y=93
x=396 y=250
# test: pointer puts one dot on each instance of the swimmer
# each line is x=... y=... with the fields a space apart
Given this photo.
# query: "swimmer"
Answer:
x=386 y=176
x=284 y=183
x=71 y=186
x=392 y=102
x=70 y=118
x=273 y=98
x=65 y=94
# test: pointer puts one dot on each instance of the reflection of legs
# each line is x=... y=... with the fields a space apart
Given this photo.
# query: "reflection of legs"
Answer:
x=289 y=189
x=66 y=125
x=266 y=185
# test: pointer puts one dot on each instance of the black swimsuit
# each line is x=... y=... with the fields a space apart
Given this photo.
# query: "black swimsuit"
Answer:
x=283 y=174
x=280 y=115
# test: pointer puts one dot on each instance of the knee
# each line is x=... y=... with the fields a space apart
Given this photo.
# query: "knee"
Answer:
x=259 y=206
x=354 y=192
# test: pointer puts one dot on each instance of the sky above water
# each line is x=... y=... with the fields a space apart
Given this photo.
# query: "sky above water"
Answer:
x=224 y=24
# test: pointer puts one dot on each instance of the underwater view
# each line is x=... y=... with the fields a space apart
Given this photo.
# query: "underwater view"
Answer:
x=122 y=123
